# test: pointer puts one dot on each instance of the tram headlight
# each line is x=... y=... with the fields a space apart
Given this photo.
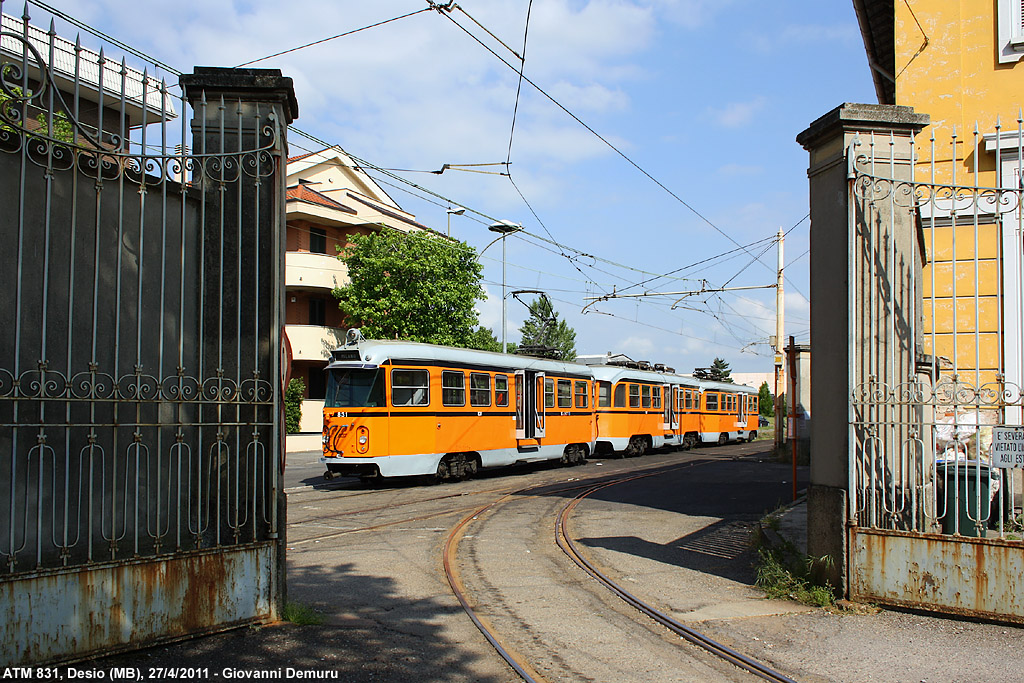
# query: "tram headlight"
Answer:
x=362 y=440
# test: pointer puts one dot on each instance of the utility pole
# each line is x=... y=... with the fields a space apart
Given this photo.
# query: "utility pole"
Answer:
x=780 y=318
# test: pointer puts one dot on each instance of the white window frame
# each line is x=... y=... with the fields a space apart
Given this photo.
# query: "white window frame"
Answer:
x=1009 y=31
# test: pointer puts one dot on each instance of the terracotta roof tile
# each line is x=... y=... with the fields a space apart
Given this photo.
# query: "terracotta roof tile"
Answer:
x=304 y=193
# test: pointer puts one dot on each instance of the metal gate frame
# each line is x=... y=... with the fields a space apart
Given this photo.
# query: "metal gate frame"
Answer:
x=140 y=404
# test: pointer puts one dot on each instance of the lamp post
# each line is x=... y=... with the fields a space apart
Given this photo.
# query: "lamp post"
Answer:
x=458 y=211
x=504 y=228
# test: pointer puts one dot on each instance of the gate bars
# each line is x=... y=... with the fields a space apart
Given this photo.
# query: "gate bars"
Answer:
x=138 y=354
x=938 y=356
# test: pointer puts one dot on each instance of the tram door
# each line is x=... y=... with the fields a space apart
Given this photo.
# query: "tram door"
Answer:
x=741 y=411
x=531 y=418
x=670 y=420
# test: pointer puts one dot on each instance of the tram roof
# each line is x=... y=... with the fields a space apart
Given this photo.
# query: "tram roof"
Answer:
x=615 y=373
x=377 y=352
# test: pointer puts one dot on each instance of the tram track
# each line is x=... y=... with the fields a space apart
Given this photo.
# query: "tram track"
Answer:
x=565 y=542
x=516 y=660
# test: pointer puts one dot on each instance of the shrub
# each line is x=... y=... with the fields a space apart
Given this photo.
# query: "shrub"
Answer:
x=293 y=405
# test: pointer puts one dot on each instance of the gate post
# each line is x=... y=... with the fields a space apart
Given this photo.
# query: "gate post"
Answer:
x=240 y=149
x=839 y=324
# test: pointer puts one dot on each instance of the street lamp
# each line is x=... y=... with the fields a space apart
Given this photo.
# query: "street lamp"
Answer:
x=504 y=228
x=458 y=211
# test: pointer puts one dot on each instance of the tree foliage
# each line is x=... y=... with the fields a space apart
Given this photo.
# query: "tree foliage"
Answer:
x=414 y=286
x=718 y=372
x=293 y=405
x=765 y=402
x=543 y=328
x=483 y=338
x=61 y=125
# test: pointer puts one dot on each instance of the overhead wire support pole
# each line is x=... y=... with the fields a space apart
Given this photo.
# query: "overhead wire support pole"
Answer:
x=780 y=319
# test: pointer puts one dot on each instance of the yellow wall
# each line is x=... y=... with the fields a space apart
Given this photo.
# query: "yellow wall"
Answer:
x=956 y=78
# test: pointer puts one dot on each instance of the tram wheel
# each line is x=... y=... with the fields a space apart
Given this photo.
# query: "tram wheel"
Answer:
x=723 y=439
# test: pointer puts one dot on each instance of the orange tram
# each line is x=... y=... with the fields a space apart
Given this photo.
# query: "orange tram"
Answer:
x=396 y=408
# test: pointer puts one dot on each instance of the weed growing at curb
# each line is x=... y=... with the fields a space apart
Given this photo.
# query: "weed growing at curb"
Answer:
x=302 y=615
x=778 y=580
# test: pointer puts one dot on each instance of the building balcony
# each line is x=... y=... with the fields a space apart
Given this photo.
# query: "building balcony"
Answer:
x=303 y=270
x=313 y=342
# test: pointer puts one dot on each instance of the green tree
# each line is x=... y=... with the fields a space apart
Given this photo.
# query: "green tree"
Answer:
x=293 y=395
x=765 y=402
x=483 y=338
x=62 y=129
x=416 y=286
x=543 y=328
x=720 y=371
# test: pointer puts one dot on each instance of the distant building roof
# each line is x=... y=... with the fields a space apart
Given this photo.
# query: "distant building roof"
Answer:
x=140 y=91
x=304 y=193
x=388 y=212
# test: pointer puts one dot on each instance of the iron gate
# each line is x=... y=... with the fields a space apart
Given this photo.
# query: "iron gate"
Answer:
x=140 y=454
x=936 y=342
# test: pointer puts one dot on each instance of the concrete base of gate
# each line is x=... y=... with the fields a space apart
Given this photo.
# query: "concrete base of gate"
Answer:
x=63 y=616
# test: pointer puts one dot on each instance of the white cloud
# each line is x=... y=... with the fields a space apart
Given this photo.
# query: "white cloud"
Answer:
x=489 y=311
x=736 y=114
x=637 y=348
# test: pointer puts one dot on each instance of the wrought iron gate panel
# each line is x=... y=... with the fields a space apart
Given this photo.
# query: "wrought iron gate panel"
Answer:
x=933 y=325
x=139 y=400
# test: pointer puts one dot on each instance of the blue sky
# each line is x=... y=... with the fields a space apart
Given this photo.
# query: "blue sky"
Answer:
x=706 y=96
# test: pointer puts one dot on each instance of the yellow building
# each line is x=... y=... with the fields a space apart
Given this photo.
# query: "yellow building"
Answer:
x=958 y=62
x=329 y=199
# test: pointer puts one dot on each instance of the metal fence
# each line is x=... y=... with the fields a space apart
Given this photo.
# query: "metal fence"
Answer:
x=936 y=338
x=139 y=398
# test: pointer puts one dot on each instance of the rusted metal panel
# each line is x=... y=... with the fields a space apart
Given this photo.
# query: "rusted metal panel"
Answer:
x=66 y=615
x=975 y=577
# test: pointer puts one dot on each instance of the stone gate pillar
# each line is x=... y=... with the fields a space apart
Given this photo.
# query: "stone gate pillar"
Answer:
x=841 y=226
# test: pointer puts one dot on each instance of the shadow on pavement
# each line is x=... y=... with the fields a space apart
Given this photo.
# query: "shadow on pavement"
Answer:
x=370 y=633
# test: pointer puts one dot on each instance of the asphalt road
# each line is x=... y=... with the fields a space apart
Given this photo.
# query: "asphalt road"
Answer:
x=369 y=560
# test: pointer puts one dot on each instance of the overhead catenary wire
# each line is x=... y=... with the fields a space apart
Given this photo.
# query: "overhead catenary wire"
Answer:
x=445 y=10
x=325 y=40
x=425 y=192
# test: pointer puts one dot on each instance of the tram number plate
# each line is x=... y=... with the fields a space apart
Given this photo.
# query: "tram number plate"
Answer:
x=1008 y=447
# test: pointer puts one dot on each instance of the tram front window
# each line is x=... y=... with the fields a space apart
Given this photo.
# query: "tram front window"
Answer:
x=354 y=388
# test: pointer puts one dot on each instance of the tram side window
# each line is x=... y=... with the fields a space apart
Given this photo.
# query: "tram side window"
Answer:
x=501 y=390
x=712 y=401
x=656 y=398
x=479 y=389
x=604 y=394
x=620 y=395
x=581 y=394
x=410 y=388
x=688 y=401
x=549 y=392
x=453 y=388
x=634 y=396
x=646 y=395
x=564 y=393
x=680 y=397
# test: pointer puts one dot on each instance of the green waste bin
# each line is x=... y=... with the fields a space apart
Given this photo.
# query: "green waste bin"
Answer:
x=970 y=476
